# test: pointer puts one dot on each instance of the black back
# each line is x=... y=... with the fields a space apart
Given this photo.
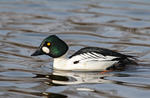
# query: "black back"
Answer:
x=102 y=51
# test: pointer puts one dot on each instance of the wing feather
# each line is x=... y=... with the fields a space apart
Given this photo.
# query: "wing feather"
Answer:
x=98 y=54
x=92 y=57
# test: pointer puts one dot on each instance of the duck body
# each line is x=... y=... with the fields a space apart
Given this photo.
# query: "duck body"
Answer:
x=90 y=59
x=86 y=59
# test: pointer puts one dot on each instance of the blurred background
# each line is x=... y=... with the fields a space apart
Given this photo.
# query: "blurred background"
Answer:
x=120 y=25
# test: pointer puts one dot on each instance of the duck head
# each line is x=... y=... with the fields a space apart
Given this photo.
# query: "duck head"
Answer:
x=52 y=46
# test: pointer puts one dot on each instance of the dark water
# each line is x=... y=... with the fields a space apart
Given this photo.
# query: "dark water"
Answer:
x=121 y=25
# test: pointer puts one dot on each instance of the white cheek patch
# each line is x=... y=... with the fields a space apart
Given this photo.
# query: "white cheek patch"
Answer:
x=45 y=49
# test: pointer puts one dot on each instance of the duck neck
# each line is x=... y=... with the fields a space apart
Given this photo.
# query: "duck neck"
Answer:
x=60 y=62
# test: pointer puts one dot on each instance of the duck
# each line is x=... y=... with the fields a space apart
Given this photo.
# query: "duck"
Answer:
x=85 y=59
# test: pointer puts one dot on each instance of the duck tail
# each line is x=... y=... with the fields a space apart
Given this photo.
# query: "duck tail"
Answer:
x=131 y=60
x=128 y=60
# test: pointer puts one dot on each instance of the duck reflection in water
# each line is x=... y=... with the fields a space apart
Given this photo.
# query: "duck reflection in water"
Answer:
x=69 y=77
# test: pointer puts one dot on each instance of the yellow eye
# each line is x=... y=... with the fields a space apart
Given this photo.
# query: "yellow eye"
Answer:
x=48 y=44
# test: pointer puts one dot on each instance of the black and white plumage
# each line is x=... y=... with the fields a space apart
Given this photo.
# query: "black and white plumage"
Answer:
x=86 y=59
x=95 y=56
x=100 y=53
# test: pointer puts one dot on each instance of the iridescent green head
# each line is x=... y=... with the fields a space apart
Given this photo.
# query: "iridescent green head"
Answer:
x=52 y=46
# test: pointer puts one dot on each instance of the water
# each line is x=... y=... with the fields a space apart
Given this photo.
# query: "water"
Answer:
x=121 y=25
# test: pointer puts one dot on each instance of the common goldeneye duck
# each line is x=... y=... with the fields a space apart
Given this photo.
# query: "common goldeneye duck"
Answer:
x=86 y=59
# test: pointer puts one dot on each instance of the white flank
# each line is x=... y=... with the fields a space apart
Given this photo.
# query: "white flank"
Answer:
x=45 y=49
x=87 y=62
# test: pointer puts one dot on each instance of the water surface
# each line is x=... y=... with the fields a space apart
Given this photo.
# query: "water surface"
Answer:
x=120 y=25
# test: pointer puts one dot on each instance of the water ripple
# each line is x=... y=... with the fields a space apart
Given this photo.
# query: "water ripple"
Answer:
x=119 y=25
